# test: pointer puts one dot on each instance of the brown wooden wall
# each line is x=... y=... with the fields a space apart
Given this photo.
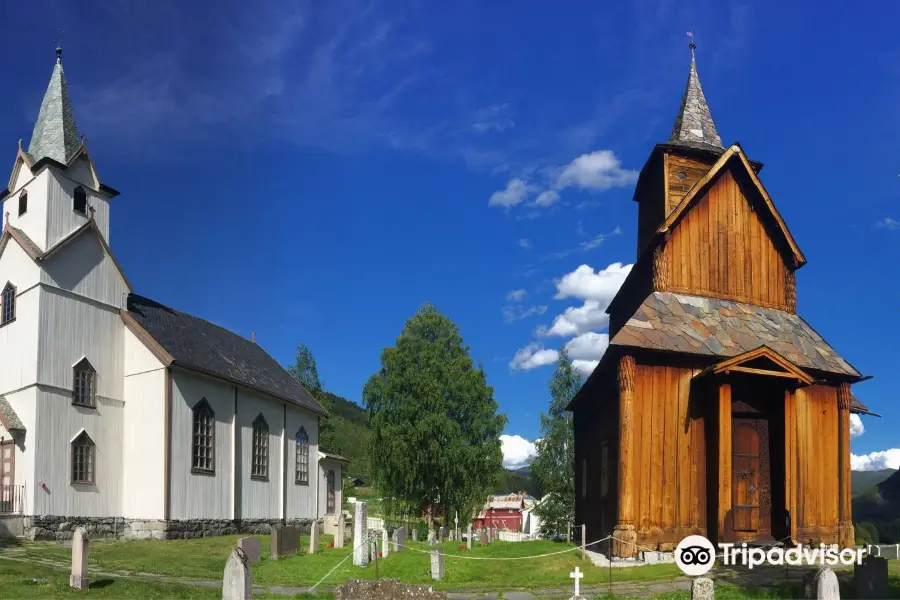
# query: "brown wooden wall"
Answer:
x=668 y=456
x=813 y=473
x=676 y=188
x=596 y=423
x=722 y=249
x=650 y=192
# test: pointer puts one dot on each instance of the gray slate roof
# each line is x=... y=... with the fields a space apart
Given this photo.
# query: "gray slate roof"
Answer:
x=55 y=134
x=694 y=124
x=9 y=416
x=199 y=345
x=714 y=327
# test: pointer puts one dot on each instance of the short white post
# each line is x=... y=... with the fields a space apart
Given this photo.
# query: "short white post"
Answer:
x=583 y=542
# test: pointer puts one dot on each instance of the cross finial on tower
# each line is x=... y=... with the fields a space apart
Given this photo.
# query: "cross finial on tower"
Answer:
x=692 y=45
x=58 y=42
x=93 y=210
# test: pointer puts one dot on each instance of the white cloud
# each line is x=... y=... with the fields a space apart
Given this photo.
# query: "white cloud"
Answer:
x=517 y=313
x=516 y=295
x=546 y=198
x=597 y=171
x=517 y=451
x=585 y=367
x=588 y=346
x=856 y=426
x=889 y=223
x=578 y=319
x=524 y=243
x=515 y=192
x=584 y=283
x=493 y=118
x=533 y=356
x=875 y=461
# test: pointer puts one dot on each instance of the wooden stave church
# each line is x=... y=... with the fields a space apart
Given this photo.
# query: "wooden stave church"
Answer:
x=707 y=346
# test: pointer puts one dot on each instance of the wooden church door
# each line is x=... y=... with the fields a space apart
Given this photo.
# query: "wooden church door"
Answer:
x=751 y=479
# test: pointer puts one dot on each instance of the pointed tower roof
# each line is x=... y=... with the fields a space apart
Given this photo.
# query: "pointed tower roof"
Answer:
x=55 y=135
x=694 y=124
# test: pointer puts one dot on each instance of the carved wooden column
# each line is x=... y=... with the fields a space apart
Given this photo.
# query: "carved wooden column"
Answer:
x=790 y=452
x=660 y=268
x=790 y=290
x=846 y=537
x=625 y=542
x=723 y=437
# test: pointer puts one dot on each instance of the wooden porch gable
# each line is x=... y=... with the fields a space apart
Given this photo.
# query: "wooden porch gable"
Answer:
x=761 y=361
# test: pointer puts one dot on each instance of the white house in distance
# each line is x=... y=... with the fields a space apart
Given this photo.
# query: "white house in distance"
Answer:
x=120 y=413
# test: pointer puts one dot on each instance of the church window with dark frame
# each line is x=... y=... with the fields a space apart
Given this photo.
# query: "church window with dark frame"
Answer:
x=301 y=441
x=23 y=203
x=83 y=459
x=260 y=460
x=203 y=441
x=8 y=304
x=84 y=379
x=79 y=201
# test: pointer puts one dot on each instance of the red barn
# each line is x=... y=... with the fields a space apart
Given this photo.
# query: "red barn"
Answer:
x=501 y=512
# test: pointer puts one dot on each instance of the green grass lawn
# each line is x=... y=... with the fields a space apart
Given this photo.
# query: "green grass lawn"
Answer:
x=205 y=559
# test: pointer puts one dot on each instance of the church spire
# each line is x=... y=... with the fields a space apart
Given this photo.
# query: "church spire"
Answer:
x=694 y=125
x=55 y=135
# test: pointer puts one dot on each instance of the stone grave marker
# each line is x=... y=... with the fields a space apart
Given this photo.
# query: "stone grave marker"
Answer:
x=702 y=588
x=469 y=537
x=437 y=564
x=484 y=539
x=821 y=584
x=252 y=548
x=385 y=544
x=236 y=580
x=360 y=549
x=415 y=534
x=440 y=536
x=399 y=539
x=314 y=538
x=870 y=578
x=78 y=579
x=431 y=538
x=285 y=541
x=577 y=575
x=339 y=531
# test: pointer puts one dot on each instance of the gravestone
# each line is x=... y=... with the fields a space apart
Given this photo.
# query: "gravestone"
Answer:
x=437 y=564
x=870 y=578
x=78 y=579
x=385 y=544
x=314 y=538
x=702 y=588
x=339 y=531
x=252 y=548
x=431 y=538
x=399 y=539
x=360 y=549
x=415 y=534
x=821 y=584
x=469 y=538
x=440 y=536
x=484 y=539
x=236 y=580
x=285 y=541
x=577 y=575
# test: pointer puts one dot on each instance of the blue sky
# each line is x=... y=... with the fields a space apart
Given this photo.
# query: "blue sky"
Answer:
x=313 y=172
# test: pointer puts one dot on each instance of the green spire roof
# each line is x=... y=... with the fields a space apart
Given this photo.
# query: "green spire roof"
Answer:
x=55 y=135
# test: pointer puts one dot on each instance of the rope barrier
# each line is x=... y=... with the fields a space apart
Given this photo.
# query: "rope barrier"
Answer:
x=461 y=556
x=364 y=542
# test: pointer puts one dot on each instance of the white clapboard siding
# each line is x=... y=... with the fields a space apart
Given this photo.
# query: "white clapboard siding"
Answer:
x=195 y=495
x=34 y=221
x=19 y=344
x=71 y=328
x=143 y=491
x=301 y=498
x=260 y=499
x=84 y=268
x=58 y=423
x=24 y=403
x=61 y=219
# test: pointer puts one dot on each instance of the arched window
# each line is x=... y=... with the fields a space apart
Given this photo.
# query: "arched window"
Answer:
x=84 y=378
x=79 y=201
x=9 y=303
x=83 y=459
x=23 y=203
x=203 y=446
x=260 y=463
x=302 y=454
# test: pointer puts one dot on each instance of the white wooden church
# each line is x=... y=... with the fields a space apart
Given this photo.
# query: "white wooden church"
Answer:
x=120 y=413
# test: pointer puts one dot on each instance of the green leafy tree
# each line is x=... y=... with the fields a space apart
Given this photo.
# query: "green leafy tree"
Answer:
x=307 y=373
x=553 y=469
x=435 y=427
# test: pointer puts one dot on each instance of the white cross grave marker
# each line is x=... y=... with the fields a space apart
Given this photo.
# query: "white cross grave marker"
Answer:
x=456 y=522
x=576 y=576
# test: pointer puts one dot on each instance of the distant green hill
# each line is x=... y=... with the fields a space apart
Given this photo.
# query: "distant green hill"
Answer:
x=351 y=434
x=510 y=482
x=861 y=480
x=879 y=505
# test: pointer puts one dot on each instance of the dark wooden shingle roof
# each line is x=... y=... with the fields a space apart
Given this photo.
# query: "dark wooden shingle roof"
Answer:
x=199 y=345
x=714 y=327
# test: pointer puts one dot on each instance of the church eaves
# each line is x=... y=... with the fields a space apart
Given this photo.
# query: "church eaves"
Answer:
x=55 y=135
x=694 y=124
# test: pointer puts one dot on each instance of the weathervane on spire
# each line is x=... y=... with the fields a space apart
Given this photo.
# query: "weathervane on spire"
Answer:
x=58 y=42
x=692 y=45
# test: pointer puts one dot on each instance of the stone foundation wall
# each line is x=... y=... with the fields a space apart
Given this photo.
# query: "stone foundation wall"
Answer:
x=61 y=528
